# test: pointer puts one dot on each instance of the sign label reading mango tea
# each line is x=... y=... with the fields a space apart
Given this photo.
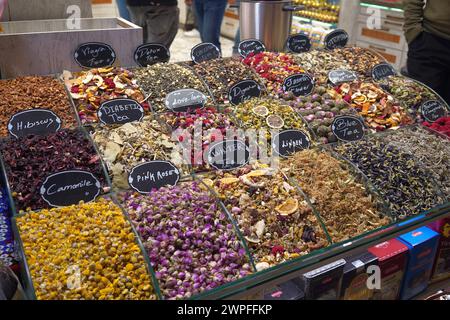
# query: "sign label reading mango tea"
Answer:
x=94 y=55
x=348 y=128
x=288 y=142
x=336 y=39
x=153 y=175
x=300 y=84
x=120 y=111
x=243 y=91
x=70 y=187
x=185 y=100
x=433 y=110
x=151 y=53
x=228 y=154
x=298 y=43
x=383 y=70
x=341 y=76
x=204 y=51
x=35 y=121
x=250 y=46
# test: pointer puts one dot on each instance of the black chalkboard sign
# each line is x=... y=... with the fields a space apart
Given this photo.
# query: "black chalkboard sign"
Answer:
x=120 y=111
x=300 y=84
x=228 y=154
x=204 y=51
x=243 y=91
x=288 y=142
x=34 y=121
x=185 y=100
x=70 y=187
x=340 y=76
x=432 y=110
x=298 y=43
x=153 y=175
x=348 y=128
x=151 y=53
x=336 y=39
x=383 y=70
x=250 y=46
x=94 y=55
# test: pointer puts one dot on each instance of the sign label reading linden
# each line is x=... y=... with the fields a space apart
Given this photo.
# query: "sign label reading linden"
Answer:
x=243 y=91
x=153 y=175
x=120 y=111
x=288 y=142
x=228 y=154
x=348 y=128
x=151 y=53
x=95 y=55
x=70 y=187
x=433 y=110
x=34 y=121
x=185 y=100
x=383 y=70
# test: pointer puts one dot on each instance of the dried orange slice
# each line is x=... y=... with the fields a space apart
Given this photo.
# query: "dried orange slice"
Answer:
x=261 y=111
x=288 y=207
x=275 y=122
x=229 y=180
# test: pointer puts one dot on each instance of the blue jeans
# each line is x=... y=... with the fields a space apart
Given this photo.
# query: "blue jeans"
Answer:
x=209 y=15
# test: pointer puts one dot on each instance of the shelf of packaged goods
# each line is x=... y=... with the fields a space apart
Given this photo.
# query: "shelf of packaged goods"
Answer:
x=254 y=285
x=316 y=23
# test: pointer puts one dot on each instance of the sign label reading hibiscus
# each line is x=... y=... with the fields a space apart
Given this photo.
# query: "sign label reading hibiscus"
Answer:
x=34 y=121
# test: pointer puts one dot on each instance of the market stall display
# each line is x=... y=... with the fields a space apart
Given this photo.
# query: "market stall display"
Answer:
x=321 y=10
x=89 y=89
x=85 y=251
x=441 y=125
x=359 y=59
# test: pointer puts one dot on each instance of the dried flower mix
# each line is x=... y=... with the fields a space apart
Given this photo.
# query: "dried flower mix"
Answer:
x=431 y=151
x=30 y=160
x=344 y=203
x=34 y=92
x=403 y=182
x=128 y=145
x=191 y=244
x=441 y=125
x=273 y=217
x=92 y=240
x=361 y=60
x=379 y=109
x=160 y=79
x=221 y=74
x=89 y=89
x=274 y=67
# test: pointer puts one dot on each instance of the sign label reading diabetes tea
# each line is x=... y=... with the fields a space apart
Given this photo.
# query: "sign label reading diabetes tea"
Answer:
x=228 y=154
x=433 y=110
x=298 y=43
x=250 y=46
x=204 y=51
x=70 y=187
x=341 y=76
x=336 y=39
x=94 y=55
x=153 y=175
x=185 y=100
x=120 y=111
x=34 y=121
x=244 y=90
x=301 y=84
x=383 y=70
x=151 y=53
x=288 y=142
x=348 y=128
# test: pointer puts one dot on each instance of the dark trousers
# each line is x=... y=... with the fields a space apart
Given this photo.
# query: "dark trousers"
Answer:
x=209 y=15
x=429 y=62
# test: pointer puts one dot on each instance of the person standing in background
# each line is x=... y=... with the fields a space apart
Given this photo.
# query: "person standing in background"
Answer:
x=209 y=16
x=427 y=31
x=159 y=19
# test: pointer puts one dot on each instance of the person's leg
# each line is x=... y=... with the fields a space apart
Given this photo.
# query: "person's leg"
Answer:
x=137 y=16
x=237 y=40
x=199 y=16
x=162 y=24
x=212 y=23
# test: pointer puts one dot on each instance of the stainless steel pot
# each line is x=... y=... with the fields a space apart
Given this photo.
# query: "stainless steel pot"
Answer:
x=268 y=21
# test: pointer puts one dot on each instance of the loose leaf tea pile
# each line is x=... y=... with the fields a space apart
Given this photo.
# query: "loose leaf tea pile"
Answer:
x=401 y=179
x=191 y=243
x=92 y=241
x=345 y=204
x=30 y=160
x=441 y=125
x=359 y=59
x=160 y=79
x=273 y=217
x=91 y=88
x=34 y=92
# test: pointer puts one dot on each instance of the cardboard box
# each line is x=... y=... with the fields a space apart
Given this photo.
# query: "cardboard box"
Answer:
x=323 y=283
x=422 y=244
x=392 y=258
x=441 y=269
x=354 y=280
